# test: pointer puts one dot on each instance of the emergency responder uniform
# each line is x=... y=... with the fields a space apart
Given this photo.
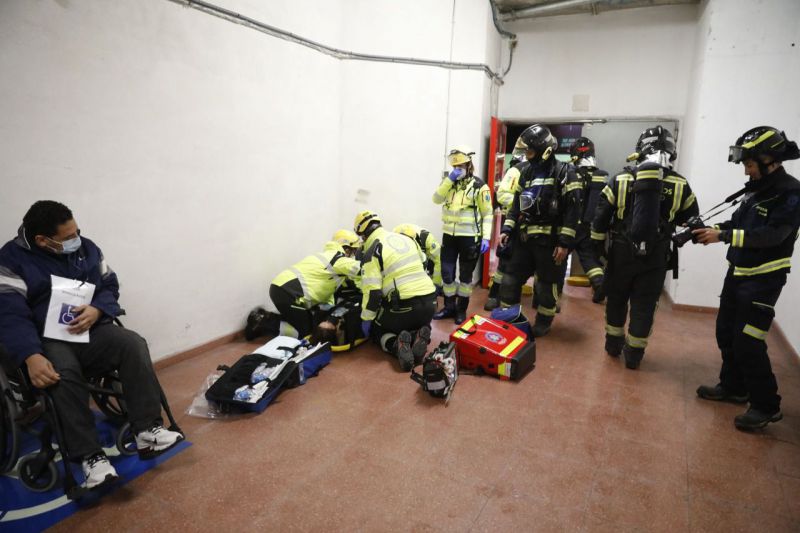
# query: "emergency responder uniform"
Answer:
x=761 y=236
x=543 y=218
x=505 y=197
x=593 y=180
x=640 y=207
x=467 y=225
x=429 y=247
x=398 y=294
x=313 y=281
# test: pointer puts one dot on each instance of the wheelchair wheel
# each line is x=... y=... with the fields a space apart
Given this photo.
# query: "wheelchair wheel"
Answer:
x=110 y=405
x=41 y=481
x=126 y=442
x=9 y=431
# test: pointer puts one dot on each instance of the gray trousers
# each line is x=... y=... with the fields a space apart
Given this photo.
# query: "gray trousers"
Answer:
x=110 y=348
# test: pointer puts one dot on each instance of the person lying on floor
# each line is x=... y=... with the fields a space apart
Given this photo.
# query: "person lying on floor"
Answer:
x=61 y=343
x=312 y=281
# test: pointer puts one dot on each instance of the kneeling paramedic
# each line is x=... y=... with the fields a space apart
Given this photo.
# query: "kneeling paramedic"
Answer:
x=467 y=225
x=313 y=281
x=41 y=272
x=593 y=181
x=540 y=225
x=398 y=294
x=760 y=237
x=430 y=249
x=640 y=207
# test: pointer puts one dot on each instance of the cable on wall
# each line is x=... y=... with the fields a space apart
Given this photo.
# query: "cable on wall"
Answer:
x=338 y=53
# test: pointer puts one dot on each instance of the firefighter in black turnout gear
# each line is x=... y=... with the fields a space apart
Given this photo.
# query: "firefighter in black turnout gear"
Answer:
x=760 y=237
x=541 y=224
x=640 y=207
x=594 y=181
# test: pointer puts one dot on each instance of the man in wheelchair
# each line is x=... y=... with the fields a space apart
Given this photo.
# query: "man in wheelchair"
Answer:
x=45 y=268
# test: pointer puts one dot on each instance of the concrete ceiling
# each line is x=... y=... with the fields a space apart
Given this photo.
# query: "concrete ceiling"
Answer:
x=508 y=7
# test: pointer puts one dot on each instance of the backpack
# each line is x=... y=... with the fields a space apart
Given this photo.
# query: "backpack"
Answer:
x=439 y=372
x=644 y=223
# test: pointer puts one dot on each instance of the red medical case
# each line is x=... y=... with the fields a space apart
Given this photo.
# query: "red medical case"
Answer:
x=493 y=347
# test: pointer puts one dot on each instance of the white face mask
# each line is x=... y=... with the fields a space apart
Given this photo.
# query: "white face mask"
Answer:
x=69 y=246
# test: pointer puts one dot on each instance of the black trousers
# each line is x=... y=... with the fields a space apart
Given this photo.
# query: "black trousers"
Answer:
x=409 y=315
x=638 y=281
x=285 y=299
x=529 y=257
x=110 y=348
x=746 y=310
x=587 y=254
x=462 y=250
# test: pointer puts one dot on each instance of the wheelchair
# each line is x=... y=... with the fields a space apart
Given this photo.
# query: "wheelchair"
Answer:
x=26 y=409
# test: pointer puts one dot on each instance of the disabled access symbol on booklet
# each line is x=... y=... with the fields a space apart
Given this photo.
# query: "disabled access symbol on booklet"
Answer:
x=66 y=316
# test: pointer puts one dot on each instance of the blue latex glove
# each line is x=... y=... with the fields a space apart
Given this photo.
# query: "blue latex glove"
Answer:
x=455 y=174
x=366 y=326
x=484 y=245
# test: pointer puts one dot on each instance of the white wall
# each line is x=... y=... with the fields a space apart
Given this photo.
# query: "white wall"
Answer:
x=631 y=63
x=204 y=157
x=746 y=73
x=399 y=121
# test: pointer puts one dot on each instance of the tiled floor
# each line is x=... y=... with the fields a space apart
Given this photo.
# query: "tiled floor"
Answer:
x=581 y=444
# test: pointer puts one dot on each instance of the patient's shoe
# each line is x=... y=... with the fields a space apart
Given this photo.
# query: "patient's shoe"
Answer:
x=156 y=441
x=98 y=471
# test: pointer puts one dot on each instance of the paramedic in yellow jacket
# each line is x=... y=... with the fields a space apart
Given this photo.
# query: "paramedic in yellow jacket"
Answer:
x=467 y=225
x=399 y=297
x=505 y=197
x=429 y=248
x=313 y=281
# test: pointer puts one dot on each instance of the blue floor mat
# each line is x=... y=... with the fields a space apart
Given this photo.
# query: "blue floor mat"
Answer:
x=22 y=510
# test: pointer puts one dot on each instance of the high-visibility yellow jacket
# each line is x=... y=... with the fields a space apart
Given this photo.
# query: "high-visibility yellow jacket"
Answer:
x=429 y=248
x=466 y=207
x=507 y=188
x=321 y=274
x=391 y=263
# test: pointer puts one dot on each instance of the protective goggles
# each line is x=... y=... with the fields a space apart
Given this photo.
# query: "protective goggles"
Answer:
x=736 y=154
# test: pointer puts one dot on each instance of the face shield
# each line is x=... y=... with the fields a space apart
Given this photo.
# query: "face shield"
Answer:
x=586 y=162
x=527 y=199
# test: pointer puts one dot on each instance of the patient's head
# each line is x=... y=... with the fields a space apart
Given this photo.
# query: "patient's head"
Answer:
x=324 y=332
x=50 y=225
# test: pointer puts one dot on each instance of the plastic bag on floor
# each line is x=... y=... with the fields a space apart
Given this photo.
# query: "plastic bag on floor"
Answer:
x=201 y=407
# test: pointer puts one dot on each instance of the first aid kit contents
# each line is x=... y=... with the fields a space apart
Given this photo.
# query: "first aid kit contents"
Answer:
x=493 y=347
x=255 y=380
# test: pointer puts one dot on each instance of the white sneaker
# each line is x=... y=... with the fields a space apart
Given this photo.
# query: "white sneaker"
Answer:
x=156 y=441
x=98 y=471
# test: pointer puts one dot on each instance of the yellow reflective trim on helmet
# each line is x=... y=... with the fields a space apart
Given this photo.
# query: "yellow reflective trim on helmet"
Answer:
x=754 y=332
x=764 y=136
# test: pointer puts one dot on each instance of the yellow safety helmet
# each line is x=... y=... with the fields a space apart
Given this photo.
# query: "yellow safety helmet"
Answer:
x=460 y=155
x=364 y=219
x=345 y=237
x=409 y=230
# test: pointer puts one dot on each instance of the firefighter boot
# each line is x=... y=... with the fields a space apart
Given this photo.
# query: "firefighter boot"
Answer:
x=614 y=345
x=493 y=301
x=449 y=309
x=754 y=419
x=402 y=349
x=598 y=291
x=633 y=356
x=462 y=302
x=541 y=325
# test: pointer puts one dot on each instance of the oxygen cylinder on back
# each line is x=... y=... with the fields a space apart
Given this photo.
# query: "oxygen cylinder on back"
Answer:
x=646 y=210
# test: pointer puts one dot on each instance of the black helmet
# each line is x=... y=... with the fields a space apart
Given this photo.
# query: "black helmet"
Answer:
x=763 y=140
x=582 y=147
x=652 y=140
x=539 y=139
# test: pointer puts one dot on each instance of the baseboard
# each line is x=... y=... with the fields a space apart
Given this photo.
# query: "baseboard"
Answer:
x=180 y=357
x=695 y=308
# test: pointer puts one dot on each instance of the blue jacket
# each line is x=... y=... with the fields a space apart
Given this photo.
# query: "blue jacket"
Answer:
x=25 y=289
